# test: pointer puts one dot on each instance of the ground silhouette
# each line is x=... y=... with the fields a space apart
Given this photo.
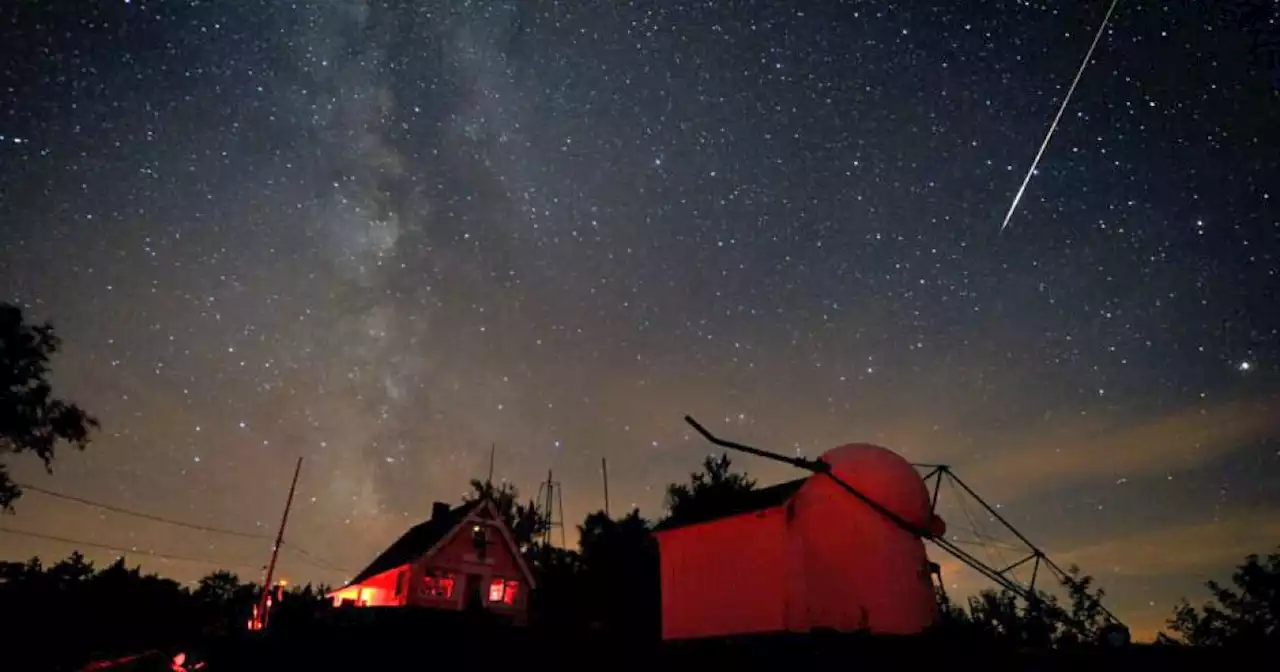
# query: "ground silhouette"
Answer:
x=597 y=605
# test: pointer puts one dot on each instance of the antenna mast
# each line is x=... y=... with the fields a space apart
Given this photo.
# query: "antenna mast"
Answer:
x=551 y=501
x=604 y=471
x=260 y=617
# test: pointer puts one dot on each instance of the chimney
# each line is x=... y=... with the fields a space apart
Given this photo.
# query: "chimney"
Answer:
x=440 y=510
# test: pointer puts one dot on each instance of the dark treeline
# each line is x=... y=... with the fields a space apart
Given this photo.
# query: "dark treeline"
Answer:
x=71 y=611
x=608 y=586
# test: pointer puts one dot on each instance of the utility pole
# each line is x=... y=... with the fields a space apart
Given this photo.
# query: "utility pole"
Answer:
x=604 y=470
x=260 y=618
x=493 y=448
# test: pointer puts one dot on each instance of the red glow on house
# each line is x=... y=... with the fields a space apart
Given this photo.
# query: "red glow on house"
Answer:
x=806 y=555
x=462 y=557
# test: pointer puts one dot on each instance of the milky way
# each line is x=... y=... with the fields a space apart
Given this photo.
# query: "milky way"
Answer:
x=388 y=236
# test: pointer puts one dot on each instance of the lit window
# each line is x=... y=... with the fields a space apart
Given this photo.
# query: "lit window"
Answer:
x=437 y=586
x=503 y=591
x=348 y=597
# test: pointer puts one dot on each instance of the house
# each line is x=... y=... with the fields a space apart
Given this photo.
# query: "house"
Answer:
x=462 y=557
x=805 y=555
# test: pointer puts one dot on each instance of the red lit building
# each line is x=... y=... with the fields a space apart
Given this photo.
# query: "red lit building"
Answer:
x=805 y=555
x=463 y=557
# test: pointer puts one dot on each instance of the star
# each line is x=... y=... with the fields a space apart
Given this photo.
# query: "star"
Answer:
x=389 y=242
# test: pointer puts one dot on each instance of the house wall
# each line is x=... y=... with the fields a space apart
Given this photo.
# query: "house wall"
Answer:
x=725 y=577
x=458 y=556
x=376 y=591
x=455 y=555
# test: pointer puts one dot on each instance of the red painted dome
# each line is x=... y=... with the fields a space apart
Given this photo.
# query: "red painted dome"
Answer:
x=861 y=570
x=882 y=475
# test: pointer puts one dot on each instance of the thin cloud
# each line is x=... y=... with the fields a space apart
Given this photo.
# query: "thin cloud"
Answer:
x=1201 y=547
x=1080 y=454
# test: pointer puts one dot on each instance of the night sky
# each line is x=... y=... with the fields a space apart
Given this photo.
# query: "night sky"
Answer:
x=385 y=236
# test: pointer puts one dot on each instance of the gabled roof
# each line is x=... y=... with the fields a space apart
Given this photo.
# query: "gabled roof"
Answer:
x=416 y=542
x=424 y=538
x=754 y=500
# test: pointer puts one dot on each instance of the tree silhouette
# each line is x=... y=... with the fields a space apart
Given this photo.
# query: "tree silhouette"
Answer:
x=118 y=610
x=1002 y=617
x=561 y=598
x=221 y=588
x=31 y=418
x=1247 y=615
x=524 y=520
x=620 y=574
x=299 y=605
x=997 y=615
x=1084 y=621
x=68 y=573
x=709 y=491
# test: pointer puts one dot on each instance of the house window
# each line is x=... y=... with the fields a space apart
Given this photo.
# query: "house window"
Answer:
x=400 y=581
x=437 y=585
x=501 y=590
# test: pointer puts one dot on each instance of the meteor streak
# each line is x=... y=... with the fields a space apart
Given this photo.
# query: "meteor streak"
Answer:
x=1054 y=126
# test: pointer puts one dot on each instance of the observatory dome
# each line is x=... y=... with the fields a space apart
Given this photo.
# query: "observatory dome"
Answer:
x=882 y=475
x=860 y=569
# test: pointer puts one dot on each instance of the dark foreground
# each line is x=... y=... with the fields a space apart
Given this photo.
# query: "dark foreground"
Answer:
x=369 y=640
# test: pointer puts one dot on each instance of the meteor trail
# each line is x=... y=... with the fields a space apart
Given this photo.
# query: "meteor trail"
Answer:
x=1054 y=126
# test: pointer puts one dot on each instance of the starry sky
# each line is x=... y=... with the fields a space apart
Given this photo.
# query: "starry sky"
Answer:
x=386 y=236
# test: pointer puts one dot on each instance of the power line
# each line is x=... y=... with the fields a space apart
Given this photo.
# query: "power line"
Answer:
x=307 y=557
x=313 y=560
x=122 y=549
x=147 y=516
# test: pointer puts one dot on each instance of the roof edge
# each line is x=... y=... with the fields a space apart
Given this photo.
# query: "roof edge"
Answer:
x=754 y=501
x=672 y=527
